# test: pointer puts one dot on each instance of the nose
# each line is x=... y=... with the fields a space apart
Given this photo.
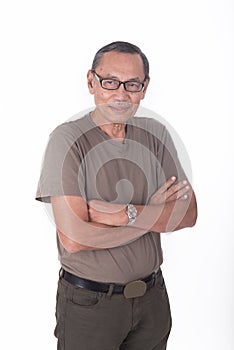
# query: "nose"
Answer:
x=121 y=86
x=121 y=91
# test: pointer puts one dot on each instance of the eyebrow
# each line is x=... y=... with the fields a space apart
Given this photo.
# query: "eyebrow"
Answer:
x=116 y=78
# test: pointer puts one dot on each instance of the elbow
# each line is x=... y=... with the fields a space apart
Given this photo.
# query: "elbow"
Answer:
x=191 y=217
x=68 y=244
x=72 y=247
x=193 y=213
x=188 y=221
x=192 y=221
x=194 y=218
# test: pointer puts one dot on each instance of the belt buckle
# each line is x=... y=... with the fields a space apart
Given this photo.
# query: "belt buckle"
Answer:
x=135 y=289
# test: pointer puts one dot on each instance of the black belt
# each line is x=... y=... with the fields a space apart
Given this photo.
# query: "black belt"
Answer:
x=130 y=290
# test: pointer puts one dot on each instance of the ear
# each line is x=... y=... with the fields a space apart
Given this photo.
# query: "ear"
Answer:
x=144 y=89
x=90 y=81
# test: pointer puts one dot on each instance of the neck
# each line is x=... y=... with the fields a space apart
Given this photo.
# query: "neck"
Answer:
x=113 y=130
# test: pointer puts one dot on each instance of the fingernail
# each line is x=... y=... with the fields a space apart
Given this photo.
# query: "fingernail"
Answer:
x=173 y=178
x=185 y=182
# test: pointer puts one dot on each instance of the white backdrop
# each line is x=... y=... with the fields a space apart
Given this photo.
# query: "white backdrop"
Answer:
x=46 y=49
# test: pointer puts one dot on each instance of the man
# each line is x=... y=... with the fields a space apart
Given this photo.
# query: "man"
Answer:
x=115 y=183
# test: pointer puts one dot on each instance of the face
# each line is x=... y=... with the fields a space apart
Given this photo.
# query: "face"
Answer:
x=116 y=106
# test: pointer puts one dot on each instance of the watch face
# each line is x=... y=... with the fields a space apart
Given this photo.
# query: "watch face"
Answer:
x=132 y=214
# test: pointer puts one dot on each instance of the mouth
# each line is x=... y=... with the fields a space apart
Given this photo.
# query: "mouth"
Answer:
x=120 y=107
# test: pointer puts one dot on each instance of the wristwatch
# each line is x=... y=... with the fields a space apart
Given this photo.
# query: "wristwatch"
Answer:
x=131 y=212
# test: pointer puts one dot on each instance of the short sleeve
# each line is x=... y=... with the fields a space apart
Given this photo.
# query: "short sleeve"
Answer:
x=61 y=171
x=170 y=164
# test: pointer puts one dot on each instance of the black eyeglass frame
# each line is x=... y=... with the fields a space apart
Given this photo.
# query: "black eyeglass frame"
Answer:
x=119 y=82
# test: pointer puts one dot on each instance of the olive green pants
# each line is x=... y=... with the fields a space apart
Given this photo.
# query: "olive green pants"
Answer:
x=88 y=320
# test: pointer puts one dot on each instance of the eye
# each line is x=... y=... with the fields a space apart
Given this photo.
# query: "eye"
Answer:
x=110 y=83
x=133 y=84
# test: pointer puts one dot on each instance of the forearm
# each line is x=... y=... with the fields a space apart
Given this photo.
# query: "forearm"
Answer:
x=96 y=236
x=102 y=225
x=82 y=233
x=167 y=217
x=73 y=246
x=161 y=216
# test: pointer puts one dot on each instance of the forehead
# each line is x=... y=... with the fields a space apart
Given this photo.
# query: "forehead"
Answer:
x=121 y=65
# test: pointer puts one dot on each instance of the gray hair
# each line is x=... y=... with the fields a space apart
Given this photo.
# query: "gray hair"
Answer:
x=124 y=47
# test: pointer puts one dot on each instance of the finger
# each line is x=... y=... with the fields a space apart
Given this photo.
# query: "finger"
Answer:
x=185 y=193
x=182 y=192
x=167 y=184
x=178 y=190
x=184 y=197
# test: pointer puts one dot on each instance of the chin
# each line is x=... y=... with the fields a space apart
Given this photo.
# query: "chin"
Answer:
x=117 y=112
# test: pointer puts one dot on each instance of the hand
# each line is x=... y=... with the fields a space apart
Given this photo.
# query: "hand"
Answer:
x=107 y=213
x=169 y=192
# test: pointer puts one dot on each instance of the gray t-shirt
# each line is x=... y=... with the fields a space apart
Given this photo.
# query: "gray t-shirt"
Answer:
x=81 y=160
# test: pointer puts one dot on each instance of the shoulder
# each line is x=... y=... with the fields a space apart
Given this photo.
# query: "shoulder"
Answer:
x=73 y=127
x=150 y=126
x=71 y=131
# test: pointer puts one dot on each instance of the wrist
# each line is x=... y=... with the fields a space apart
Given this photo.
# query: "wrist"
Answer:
x=125 y=216
x=131 y=212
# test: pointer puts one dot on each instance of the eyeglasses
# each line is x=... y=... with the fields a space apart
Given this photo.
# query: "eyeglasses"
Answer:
x=113 y=84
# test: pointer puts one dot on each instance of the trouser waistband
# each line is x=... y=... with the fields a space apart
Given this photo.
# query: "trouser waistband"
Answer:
x=131 y=289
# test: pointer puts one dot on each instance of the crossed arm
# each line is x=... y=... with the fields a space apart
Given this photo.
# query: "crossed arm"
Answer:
x=100 y=224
